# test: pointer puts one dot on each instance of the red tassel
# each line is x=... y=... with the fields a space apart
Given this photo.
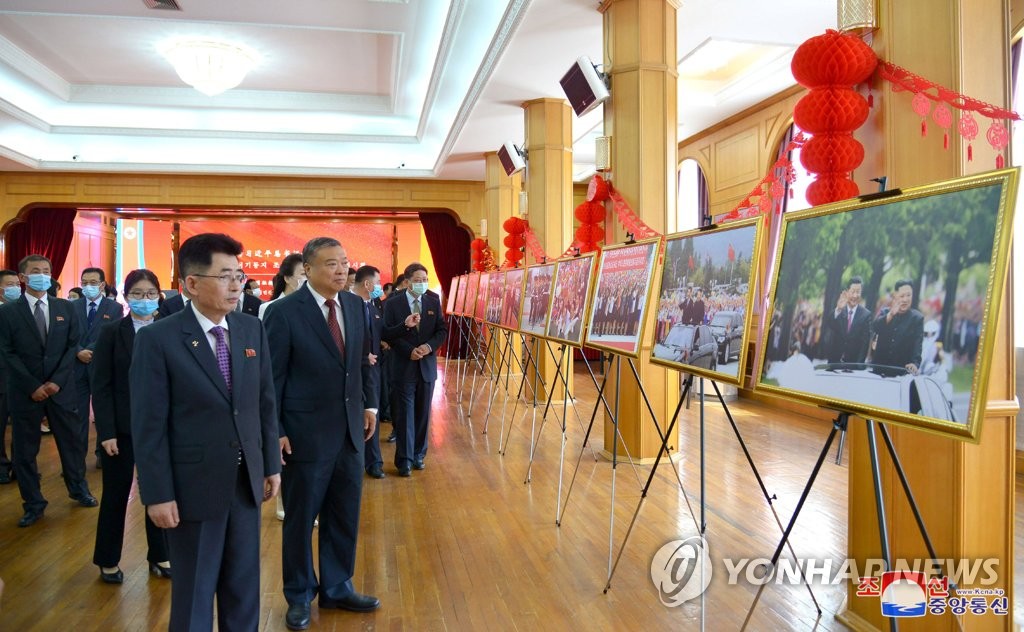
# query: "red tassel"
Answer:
x=924 y=127
x=791 y=193
x=945 y=140
x=999 y=161
x=970 y=152
x=871 y=99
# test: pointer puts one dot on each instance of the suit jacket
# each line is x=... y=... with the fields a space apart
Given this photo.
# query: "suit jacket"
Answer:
x=899 y=341
x=321 y=396
x=374 y=328
x=30 y=364
x=187 y=428
x=107 y=311
x=250 y=305
x=852 y=345
x=432 y=331
x=172 y=305
x=111 y=399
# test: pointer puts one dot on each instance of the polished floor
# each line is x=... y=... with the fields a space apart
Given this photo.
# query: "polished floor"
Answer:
x=466 y=545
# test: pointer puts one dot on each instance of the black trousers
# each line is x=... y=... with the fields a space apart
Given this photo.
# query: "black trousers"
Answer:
x=25 y=447
x=386 y=369
x=221 y=558
x=371 y=451
x=412 y=420
x=84 y=406
x=5 y=413
x=333 y=489
x=118 y=475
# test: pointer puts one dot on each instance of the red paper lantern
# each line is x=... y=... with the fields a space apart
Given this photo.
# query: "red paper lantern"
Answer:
x=513 y=256
x=832 y=153
x=588 y=247
x=833 y=59
x=597 y=190
x=478 y=244
x=514 y=225
x=831 y=188
x=589 y=233
x=830 y=109
x=514 y=241
x=590 y=212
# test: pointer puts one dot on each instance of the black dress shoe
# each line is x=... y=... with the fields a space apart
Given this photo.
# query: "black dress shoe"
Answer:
x=353 y=602
x=404 y=471
x=375 y=471
x=297 y=617
x=392 y=438
x=418 y=464
x=85 y=499
x=5 y=477
x=159 y=571
x=117 y=577
x=30 y=518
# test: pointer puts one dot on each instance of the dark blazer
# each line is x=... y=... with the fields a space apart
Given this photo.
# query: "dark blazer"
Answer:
x=186 y=428
x=848 y=346
x=372 y=344
x=432 y=331
x=172 y=305
x=899 y=341
x=250 y=305
x=309 y=372
x=111 y=358
x=29 y=363
x=107 y=311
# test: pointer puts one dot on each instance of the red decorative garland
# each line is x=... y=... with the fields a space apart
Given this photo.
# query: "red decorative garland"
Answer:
x=770 y=189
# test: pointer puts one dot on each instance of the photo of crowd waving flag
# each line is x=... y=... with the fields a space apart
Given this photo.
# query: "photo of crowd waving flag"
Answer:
x=573 y=279
x=511 y=303
x=537 y=298
x=621 y=296
x=704 y=299
x=495 y=293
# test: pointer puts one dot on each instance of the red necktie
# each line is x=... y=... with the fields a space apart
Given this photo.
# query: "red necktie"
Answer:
x=334 y=327
x=849 y=322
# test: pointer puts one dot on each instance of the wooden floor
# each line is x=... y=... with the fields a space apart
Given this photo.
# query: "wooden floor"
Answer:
x=466 y=545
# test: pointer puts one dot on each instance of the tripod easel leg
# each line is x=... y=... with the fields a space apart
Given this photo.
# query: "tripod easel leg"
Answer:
x=883 y=530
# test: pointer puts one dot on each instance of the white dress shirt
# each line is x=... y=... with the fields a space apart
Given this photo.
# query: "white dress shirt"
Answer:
x=322 y=303
x=207 y=325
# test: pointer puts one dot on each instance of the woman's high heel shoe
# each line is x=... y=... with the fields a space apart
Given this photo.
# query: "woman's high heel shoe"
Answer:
x=159 y=571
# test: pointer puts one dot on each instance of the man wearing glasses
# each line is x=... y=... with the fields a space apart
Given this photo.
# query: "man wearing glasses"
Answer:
x=204 y=428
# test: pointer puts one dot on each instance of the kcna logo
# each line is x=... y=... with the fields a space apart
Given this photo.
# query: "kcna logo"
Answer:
x=681 y=570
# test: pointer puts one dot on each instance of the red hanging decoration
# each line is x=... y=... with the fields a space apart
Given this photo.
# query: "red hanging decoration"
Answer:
x=968 y=128
x=514 y=241
x=921 y=106
x=944 y=118
x=591 y=214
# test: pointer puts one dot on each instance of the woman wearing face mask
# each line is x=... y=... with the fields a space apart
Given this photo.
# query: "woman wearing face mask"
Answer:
x=112 y=404
x=290 y=277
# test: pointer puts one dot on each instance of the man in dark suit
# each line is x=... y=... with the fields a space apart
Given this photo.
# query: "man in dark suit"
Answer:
x=93 y=311
x=204 y=429
x=327 y=408
x=10 y=291
x=368 y=288
x=38 y=340
x=173 y=304
x=414 y=327
x=249 y=304
x=900 y=331
x=848 y=326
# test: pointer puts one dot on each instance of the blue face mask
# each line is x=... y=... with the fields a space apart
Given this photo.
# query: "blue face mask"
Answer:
x=12 y=293
x=143 y=306
x=419 y=289
x=377 y=292
x=90 y=291
x=39 y=282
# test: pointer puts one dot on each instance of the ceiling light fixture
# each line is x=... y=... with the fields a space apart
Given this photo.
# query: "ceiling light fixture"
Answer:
x=209 y=66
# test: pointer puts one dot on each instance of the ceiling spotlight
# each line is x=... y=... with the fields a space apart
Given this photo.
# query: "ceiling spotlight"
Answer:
x=210 y=66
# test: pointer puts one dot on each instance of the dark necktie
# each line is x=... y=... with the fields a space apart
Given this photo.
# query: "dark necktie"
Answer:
x=333 y=326
x=91 y=316
x=40 y=320
x=849 y=322
x=416 y=310
x=223 y=356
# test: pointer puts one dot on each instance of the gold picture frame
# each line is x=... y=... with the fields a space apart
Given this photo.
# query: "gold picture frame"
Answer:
x=635 y=261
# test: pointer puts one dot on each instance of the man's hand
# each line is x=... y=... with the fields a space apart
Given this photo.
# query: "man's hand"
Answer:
x=911 y=368
x=416 y=354
x=110 y=447
x=271 y=485
x=84 y=356
x=286 y=448
x=384 y=346
x=51 y=388
x=369 y=424
x=373 y=359
x=40 y=394
x=842 y=302
x=412 y=320
x=164 y=515
x=424 y=350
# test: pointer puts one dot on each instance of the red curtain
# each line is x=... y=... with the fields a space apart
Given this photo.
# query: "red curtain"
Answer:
x=47 y=232
x=449 y=248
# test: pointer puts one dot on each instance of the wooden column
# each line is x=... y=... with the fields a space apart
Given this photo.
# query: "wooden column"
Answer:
x=548 y=186
x=965 y=491
x=641 y=118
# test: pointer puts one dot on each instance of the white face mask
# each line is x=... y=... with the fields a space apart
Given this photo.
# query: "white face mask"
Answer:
x=257 y=292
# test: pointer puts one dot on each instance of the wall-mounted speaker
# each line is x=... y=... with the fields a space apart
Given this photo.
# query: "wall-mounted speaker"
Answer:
x=511 y=158
x=584 y=86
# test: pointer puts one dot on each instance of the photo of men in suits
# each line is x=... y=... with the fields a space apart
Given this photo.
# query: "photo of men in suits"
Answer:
x=900 y=331
x=848 y=326
x=204 y=429
x=327 y=406
x=414 y=327
x=38 y=340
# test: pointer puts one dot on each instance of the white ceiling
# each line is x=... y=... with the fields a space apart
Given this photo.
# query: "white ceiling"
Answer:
x=377 y=88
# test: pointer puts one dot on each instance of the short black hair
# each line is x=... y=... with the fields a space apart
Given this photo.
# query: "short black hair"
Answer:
x=400 y=279
x=352 y=271
x=142 y=274
x=23 y=264
x=365 y=272
x=413 y=268
x=316 y=243
x=196 y=254
x=5 y=273
x=99 y=271
x=901 y=283
x=248 y=284
x=77 y=290
x=387 y=286
x=856 y=280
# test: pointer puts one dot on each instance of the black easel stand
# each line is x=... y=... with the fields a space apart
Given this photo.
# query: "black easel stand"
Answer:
x=522 y=384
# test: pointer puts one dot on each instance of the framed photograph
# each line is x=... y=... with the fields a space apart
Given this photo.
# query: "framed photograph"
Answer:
x=537 y=298
x=705 y=300
x=495 y=293
x=480 y=307
x=573 y=286
x=621 y=297
x=452 y=294
x=512 y=302
x=468 y=301
x=887 y=308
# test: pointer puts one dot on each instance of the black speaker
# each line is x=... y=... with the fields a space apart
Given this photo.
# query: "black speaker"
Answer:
x=584 y=86
x=511 y=159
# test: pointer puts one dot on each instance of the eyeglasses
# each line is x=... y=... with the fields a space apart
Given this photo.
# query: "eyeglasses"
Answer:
x=91 y=284
x=151 y=294
x=225 y=279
